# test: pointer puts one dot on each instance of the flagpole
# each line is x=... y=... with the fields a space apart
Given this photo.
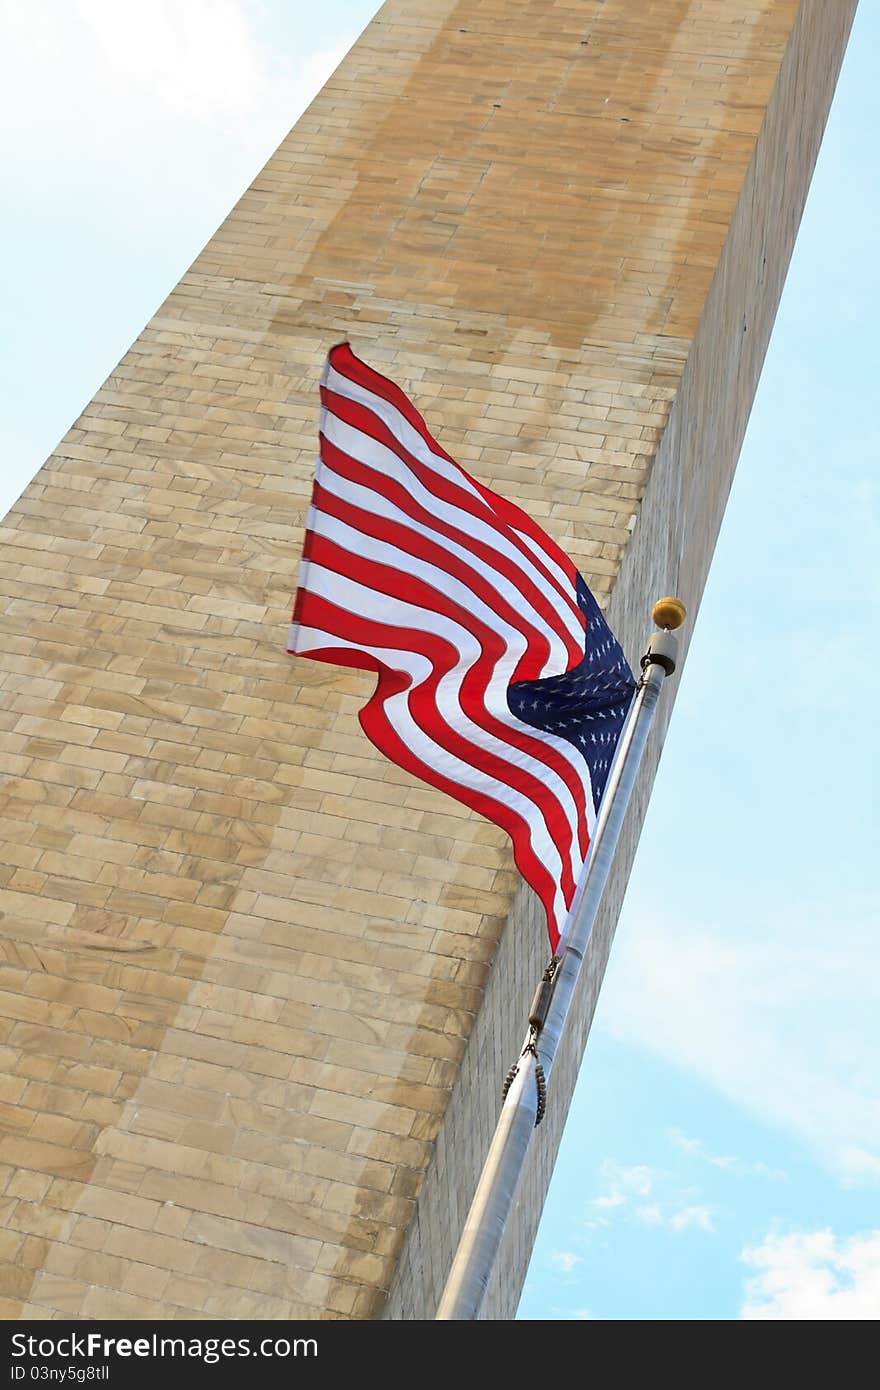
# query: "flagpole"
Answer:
x=524 y=1101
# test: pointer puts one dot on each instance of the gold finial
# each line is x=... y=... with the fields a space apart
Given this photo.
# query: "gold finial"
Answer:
x=669 y=613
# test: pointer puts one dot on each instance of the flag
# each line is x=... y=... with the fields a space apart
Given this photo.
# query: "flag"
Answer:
x=499 y=680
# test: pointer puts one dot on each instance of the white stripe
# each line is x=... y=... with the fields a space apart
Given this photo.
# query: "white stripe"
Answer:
x=412 y=615
x=400 y=427
x=369 y=451
x=374 y=502
x=378 y=607
x=415 y=444
x=555 y=569
x=419 y=668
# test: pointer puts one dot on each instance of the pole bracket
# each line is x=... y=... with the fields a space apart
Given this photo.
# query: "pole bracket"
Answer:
x=662 y=651
x=543 y=994
x=540 y=1079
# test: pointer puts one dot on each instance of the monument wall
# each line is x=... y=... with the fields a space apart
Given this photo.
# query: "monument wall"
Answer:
x=259 y=987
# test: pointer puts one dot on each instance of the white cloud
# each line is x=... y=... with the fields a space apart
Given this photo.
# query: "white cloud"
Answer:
x=564 y=1260
x=135 y=100
x=676 y=1218
x=814 y=1277
x=619 y=1184
x=686 y=1143
x=859 y=1165
x=127 y=132
x=781 y=1022
x=697 y=1149
x=650 y=1214
x=626 y=1188
x=197 y=56
x=698 y=1217
x=728 y=1163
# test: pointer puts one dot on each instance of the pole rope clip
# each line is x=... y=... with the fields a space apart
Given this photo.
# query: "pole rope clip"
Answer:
x=537 y=1018
x=540 y=1078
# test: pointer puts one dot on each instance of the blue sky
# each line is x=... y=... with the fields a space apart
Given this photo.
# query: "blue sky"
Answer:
x=722 y=1155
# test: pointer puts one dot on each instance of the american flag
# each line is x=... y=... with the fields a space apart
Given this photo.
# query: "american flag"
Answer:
x=499 y=680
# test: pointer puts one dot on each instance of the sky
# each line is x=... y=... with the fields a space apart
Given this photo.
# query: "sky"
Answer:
x=722 y=1154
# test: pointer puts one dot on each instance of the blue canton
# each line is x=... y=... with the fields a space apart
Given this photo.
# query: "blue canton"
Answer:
x=587 y=705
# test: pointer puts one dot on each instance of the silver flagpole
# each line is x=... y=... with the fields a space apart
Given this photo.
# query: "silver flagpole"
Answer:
x=524 y=1101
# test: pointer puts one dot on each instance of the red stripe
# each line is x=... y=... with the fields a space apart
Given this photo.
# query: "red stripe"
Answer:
x=518 y=520
x=477 y=679
x=343 y=360
x=441 y=655
x=423 y=703
x=375 y=724
x=394 y=492
x=394 y=681
x=502 y=515
x=367 y=476
x=387 y=579
x=328 y=617
x=431 y=552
